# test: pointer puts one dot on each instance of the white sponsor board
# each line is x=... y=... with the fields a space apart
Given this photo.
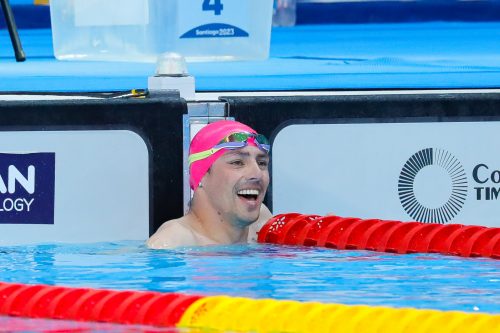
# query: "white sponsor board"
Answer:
x=98 y=186
x=444 y=172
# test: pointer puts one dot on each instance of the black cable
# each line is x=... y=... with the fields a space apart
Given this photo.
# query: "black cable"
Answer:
x=14 y=36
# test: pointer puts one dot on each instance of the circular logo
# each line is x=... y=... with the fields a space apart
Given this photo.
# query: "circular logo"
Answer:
x=432 y=186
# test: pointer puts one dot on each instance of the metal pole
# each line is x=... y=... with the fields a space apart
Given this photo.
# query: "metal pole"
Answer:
x=14 y=36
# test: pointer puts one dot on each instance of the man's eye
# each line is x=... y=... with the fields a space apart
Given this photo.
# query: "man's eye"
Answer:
x=236 y=162
x=263 y=163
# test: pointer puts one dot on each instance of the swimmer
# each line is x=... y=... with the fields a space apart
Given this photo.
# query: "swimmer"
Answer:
x=229 y=175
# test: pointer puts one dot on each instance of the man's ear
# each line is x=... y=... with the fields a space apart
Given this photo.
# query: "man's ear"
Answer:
x=202 y=181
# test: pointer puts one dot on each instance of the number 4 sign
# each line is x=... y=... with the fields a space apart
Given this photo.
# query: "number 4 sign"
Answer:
x=209 y=19
x=216 y=6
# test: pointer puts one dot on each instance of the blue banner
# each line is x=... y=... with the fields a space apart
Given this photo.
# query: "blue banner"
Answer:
x=27 y=184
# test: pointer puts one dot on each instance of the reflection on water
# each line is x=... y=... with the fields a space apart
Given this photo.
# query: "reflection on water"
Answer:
x=265 y=271
x=28 y=325
x=15 y=324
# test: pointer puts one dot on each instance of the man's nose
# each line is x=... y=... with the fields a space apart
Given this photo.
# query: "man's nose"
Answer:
x=254 y=171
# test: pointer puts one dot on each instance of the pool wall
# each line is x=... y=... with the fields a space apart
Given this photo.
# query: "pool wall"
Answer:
x=366 y=154
x=164 y=125
x=114 y=164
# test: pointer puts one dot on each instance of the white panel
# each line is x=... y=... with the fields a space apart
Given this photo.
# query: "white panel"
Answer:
x=354 y=170
x=111 y=12
x=101 y=186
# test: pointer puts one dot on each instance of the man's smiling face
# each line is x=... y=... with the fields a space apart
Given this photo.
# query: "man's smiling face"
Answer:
x=237 y=183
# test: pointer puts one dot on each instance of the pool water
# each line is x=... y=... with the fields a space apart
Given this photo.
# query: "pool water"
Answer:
x=265 y=271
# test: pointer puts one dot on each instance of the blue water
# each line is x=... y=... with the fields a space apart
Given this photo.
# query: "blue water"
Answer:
x=265 y=271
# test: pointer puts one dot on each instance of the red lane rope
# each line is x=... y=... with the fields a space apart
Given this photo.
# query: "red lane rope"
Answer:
x=379 y=235
x=82 y=304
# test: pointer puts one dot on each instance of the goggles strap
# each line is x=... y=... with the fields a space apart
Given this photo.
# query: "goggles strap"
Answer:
x=202 y=155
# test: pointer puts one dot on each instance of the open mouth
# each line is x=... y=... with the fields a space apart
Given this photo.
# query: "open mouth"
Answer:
x=249 y=194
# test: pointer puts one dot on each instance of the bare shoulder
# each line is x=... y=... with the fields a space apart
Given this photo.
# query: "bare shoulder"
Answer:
x=169 y=235
x=265 y=215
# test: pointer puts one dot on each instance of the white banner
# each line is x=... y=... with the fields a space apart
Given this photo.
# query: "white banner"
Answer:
x=73 y=186
x=444 y=172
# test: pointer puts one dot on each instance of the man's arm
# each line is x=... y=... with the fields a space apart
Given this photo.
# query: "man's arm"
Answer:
x=169 y=235
x=172 y=234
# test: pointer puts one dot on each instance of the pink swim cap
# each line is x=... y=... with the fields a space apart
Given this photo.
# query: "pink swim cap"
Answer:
x=206 y=139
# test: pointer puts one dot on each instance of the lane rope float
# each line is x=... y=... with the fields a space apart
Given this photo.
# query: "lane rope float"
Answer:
x=227 y=313
x=345 y=233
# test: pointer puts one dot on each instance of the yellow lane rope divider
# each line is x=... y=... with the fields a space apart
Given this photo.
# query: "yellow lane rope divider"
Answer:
x=237 y=314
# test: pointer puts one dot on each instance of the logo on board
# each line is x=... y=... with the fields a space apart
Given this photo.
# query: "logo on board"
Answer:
x=215 y=30
x=487 y=181
x=27 y=184
x=432 y=186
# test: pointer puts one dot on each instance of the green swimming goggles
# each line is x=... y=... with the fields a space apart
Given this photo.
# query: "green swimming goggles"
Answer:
x=233 y=141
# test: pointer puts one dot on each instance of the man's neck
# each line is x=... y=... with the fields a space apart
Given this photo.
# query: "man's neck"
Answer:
x=215 y=226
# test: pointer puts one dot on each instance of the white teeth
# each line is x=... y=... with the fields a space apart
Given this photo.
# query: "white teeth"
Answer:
x=248 y=192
